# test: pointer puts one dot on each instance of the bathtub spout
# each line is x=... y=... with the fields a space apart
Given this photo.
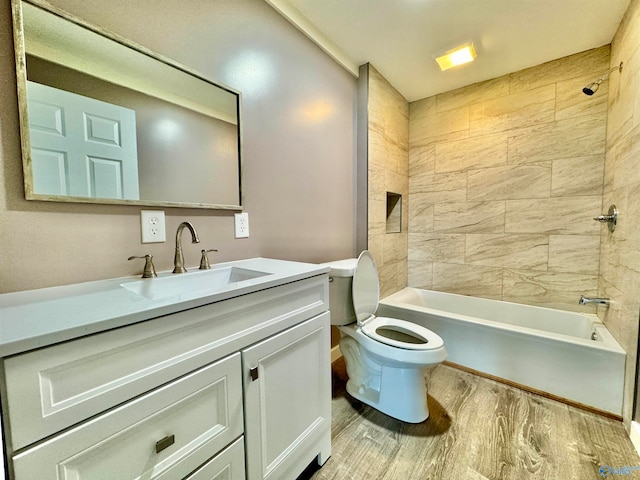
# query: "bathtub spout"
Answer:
x=598 y=301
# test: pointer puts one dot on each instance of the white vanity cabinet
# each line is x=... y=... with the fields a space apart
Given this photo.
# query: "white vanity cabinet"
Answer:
x=234 y=389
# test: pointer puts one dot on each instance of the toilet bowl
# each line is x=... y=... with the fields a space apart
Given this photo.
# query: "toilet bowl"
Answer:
x=386 y=358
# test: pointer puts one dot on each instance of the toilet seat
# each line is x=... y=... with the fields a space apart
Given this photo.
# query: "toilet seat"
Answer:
x=401 y=334
x=390 y=331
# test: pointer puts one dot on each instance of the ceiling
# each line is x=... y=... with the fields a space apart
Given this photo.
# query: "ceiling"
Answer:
x=400 y=37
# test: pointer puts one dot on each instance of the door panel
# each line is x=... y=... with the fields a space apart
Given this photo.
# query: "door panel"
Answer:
x=53 y=172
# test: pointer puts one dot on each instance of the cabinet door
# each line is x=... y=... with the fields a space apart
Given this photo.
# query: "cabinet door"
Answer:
x=287 y=385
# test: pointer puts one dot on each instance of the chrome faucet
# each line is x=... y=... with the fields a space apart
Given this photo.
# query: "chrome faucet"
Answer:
x=178 y=262
x=598 y=301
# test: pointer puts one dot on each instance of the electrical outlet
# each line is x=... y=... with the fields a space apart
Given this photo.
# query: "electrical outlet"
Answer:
x=152 y=226
x=242 y=225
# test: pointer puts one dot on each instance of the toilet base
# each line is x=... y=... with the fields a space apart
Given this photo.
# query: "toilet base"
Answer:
x=396 y=390
x=402 y=394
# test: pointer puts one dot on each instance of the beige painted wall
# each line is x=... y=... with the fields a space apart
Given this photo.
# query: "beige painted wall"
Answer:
x=388 y=136
x=298 y=116
x=505 y=177
x=620 y=251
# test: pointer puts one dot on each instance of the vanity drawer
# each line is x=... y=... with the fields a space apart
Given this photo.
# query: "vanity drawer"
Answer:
x=202 y=411
x=57 y=387
x=227 y=465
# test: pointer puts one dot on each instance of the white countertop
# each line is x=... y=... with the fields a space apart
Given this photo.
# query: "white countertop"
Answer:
x=37 y=318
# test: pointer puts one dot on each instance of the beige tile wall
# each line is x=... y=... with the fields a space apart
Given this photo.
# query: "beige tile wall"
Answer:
x=504 y=179
x=620 y=251
x=388 y=146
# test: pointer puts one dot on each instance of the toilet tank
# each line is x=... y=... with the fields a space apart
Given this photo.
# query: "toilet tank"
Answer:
x=340 y=296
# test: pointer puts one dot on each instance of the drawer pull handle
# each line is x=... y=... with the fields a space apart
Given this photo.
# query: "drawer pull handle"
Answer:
x=165 y=443
x=254 y=373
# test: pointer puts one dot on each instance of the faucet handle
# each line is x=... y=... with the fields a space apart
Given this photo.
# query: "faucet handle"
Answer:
x=204 y=261
x=149 y=269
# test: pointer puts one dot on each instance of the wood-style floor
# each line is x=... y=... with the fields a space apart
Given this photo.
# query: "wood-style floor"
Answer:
x=478 y=429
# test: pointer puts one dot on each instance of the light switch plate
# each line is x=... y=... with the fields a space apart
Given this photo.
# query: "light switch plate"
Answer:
x=153 y=227
x=242 y=225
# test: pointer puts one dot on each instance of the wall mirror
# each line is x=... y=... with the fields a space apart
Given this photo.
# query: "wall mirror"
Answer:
x=103 y=120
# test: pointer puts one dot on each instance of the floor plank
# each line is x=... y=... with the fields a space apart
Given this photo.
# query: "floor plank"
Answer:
x=478 y=429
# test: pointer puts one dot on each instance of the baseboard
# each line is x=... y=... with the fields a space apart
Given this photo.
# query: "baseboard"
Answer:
x=335 y=353
x=634 y=435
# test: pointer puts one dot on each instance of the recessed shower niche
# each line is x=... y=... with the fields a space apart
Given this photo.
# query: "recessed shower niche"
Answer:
x=394 y=212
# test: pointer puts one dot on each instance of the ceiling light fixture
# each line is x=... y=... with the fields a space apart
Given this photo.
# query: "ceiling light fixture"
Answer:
x=456 y=56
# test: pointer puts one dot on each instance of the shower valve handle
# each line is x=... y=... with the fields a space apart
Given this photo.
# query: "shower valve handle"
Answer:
x=611 y=218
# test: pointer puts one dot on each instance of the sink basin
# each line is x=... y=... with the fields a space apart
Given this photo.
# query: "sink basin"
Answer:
x=185 y=283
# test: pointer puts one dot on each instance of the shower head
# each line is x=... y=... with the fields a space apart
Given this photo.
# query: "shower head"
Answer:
x=592 y=88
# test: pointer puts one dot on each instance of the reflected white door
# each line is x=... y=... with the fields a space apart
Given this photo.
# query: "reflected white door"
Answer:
x=80 y=146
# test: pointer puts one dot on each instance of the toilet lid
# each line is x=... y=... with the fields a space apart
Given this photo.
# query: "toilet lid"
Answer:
x=402 y=334
x=365 y=287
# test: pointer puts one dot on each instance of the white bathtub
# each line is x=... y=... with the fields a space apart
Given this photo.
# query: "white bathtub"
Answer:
x=540 y=348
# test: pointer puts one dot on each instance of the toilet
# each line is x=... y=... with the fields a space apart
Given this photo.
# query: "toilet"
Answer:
x=386 y=358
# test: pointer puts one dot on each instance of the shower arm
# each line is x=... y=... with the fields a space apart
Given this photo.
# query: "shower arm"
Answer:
x=606 y=75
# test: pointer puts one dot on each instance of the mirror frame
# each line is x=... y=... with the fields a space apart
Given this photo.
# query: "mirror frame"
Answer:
x=25 y=142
